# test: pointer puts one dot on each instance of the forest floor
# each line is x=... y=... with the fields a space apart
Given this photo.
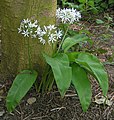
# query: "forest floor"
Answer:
x=50 y=106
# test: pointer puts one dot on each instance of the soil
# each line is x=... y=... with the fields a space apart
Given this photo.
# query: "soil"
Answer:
x=51 y=106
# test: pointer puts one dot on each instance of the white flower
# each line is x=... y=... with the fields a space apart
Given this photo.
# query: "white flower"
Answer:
x=43 y=33
x=19 y=30
x=33 y=36
x=25 y=21
x=68 y=15
x=58 y=12
x=38 y=31
x=30 y=25
x=42 y=40
x=78 y=16
x=22 y=25
x=59 y=34
x=51 y=27
x=25 y=33
x=34 y=24
x=52 y=38
x=45 y=28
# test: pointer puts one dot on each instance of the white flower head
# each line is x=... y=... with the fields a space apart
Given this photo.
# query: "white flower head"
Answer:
x=68 y=15
x=31 y=29
x=28 y=27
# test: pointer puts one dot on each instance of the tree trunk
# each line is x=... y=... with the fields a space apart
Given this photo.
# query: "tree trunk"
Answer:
x=14 y=49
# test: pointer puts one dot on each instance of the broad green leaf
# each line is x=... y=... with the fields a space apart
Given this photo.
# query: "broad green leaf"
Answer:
x=72 y=56
x=82 y=85
x=70 y=41
x=61 y=70
x=22 y=83
x=94 y=66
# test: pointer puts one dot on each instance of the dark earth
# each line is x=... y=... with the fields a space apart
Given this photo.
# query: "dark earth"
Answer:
x=50 y=106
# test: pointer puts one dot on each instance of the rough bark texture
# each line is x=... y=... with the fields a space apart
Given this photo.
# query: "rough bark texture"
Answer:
x=14 y=50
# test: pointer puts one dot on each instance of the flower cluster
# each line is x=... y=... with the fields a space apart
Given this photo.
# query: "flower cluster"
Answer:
x=31 y=29
x=68 y=15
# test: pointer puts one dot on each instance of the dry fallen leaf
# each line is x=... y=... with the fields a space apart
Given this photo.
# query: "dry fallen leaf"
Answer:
x=2 y=113
x=1 y=92
x=103 y=100
x=31 y=100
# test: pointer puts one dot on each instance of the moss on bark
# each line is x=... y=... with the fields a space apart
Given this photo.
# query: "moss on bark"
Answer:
x=14 y=49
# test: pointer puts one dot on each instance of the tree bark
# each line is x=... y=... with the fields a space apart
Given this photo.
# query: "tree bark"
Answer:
x=14 y=49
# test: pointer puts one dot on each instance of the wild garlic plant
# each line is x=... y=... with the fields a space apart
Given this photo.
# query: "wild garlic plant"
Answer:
x=67 y=67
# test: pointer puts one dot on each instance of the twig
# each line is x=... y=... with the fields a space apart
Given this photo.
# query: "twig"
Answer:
x=11 y=113
x=36 y=118
x=28 y=115
x=59 y=108
x=18 y=112
x=70 y=95
x=21 y=112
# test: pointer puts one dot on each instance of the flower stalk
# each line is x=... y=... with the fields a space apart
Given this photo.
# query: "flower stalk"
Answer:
x=29 y=55
x=62 y=39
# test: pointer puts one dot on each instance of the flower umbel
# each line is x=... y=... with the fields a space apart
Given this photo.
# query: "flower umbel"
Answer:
x=27 y=28
x=68 y=15
x=31 y=29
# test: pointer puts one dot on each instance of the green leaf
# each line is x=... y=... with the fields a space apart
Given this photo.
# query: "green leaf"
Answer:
x=70 y=41
x=82 y=1
x=104 y=5
x=111 y=2
x=72 y=56
x=91 y=3
x=21 y=84
x=101 y=50
x=98 y=1
x=61 y=70
x=95 y=67
x=98 y=21
x=82 y=85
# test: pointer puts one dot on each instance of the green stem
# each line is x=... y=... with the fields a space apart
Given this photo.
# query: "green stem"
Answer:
x=43 y=80
x=29 y=57
x=63 y=39
x=52 y=46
